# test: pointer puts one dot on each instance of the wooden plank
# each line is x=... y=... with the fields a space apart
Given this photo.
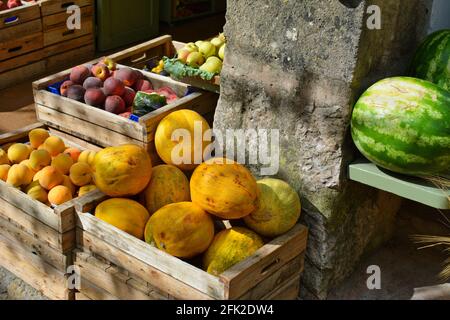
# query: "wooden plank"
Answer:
x=61 y=34
x=20 y=46
x=71 y=57
x=84 y=112
x=271 y=283
x=19 y=15
x=61 y=242
x=33 y=246
x=136 y=54
x=27 y=72
x=97 y=274
x=19 y=134
x=20 y=30
x=157 y=278
x=245 y=275
x=68 y=45
x=289 y=291
x=34 y=271
x=49 y=7
x=91 y=132
x=59 y=19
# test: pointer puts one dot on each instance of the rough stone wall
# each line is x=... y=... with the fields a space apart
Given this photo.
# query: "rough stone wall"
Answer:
x=298 y=66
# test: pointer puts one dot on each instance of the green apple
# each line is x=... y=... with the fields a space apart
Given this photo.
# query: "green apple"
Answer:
x=222 y=51
x=191 y=47
x=195 y=59
x=198 y=43
x=217 y=42
x=213 y=65
x=207 y=49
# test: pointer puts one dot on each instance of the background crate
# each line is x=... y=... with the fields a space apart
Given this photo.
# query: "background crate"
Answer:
x=107 y=129
x=36 y=241
x=116 y=265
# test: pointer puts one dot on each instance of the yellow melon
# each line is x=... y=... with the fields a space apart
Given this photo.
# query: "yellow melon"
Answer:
x=125 y=214
x=229 y=248
x=181 y=229
x=168 y=185
x=185 y=152
x=224 y=188
x=122 y=171
x=278 y=209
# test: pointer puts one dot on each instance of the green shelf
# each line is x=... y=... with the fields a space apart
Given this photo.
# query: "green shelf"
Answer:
x=411 y=188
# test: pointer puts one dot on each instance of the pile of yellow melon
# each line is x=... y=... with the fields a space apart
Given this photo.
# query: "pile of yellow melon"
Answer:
x=161 y=206
x=46 y=169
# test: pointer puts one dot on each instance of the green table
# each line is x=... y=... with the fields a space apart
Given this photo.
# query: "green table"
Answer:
x=411 y=188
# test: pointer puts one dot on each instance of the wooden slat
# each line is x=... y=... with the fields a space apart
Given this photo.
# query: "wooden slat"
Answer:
x=265 y=262
x=20 y=46
x=27 y=72
x=19 y=15
x=84 y=112
x=19 y=134
x=273 y=282
x=90 y=131
x=20 y=30
x=59 y=19
x=49 y=7
x=63 y=242
x=97 y=273
x=34 y=271
x=68 y=45
x=289 y=291
x=61 y=34
x=22 y=60
x=33 y=246
x=146 y=271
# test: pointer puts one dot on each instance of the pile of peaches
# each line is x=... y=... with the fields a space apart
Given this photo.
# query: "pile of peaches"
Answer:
x=106 y=87
x=10 y=4
x=46 y=169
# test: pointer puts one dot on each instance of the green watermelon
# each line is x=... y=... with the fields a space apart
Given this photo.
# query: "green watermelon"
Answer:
x=403 y=125
x=432 y=60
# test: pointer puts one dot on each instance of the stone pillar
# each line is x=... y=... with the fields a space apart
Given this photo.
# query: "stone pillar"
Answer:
x=299 y=66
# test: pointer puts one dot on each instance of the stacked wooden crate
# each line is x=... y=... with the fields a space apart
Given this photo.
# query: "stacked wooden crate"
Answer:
x=21 y=43
x=36 y=241
x=64 y=47
x=115 y=265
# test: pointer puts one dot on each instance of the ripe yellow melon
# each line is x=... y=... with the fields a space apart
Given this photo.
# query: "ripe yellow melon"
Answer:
x=122 y=171
x=185 y=150
x=229 y=248
x=168 y=185
x=125 y=214
x=181 y=229
x=278 y=210
x=224 y=188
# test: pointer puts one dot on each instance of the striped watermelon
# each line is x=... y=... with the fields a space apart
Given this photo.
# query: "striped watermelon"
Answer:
x=432 y=60
x=403 y=125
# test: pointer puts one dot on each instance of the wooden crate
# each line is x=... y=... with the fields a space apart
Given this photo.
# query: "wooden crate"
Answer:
x=116 y=265
x=36 y=241
x=21 y=43
x=107 y=129
x=139 y=56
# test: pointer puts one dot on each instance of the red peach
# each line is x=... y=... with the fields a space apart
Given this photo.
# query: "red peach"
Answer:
x=95 y=97
x=114 y=87
x=127 y=76
x=92 y=82
x=64 y=87
x=115 y=104
x=14 y=3
x=128 y=96
x=101 y=71
x=76 y=92
x=143 y=85
x=139 y=75
x=79 y=74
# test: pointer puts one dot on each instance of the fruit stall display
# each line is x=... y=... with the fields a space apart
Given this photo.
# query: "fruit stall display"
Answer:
x=181 y=237
x=36 y=40
x=110 y=104
x=41 y=175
